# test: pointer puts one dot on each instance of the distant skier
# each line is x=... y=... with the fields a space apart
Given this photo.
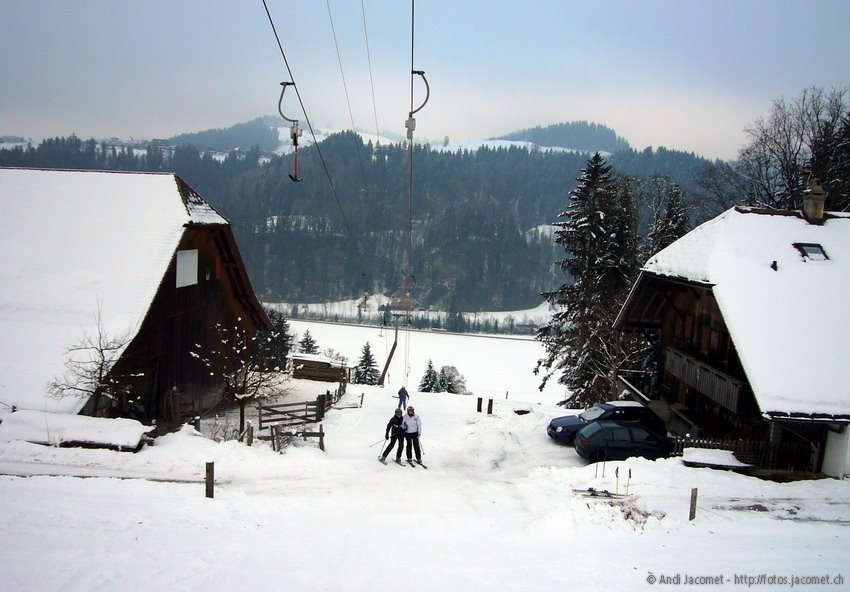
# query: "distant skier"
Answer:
x=395 y=424
x=402 y=398
x=413 y=429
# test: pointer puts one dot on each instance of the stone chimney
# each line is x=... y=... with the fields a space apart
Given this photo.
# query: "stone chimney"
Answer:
x=813 y=200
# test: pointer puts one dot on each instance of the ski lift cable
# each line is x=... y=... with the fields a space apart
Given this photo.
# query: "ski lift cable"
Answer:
x=347 y=99
x=310 y=127
x=371 y=78
x=410 y=124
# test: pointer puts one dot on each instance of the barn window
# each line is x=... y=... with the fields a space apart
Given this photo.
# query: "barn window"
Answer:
x=811 y=251
x=187 y=268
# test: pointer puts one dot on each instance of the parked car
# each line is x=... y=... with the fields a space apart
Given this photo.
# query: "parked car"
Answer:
x=563 y=429
x=619 y=440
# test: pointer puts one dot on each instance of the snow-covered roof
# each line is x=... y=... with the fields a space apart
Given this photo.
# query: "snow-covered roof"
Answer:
x=304 y=357
x=788 y=315
x=75 y=243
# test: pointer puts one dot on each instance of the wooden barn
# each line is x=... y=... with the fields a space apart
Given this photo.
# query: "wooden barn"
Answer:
x=750 y=319
x=319 y=367
x=137 y=261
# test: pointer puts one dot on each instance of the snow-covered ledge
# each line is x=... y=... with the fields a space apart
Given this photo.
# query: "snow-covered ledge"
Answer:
x=56 y=429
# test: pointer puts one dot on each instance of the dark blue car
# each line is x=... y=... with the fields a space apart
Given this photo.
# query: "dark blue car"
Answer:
x=619 y=440
x=563 y=429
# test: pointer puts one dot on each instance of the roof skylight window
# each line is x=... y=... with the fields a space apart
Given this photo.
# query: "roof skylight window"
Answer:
x=811 y=251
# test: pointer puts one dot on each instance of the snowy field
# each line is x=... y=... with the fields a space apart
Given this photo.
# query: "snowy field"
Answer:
x=495 y=510
x=494 y=366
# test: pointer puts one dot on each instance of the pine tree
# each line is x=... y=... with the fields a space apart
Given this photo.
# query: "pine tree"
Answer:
x=442 y=379
x=307 y=344
x=452 y=381
x=599 y=237
x=669 y=220
x=277 y=343
x=366 y=371
x=428 y=384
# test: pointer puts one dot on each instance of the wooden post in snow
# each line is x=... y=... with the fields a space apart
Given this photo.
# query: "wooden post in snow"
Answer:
x=693 y=512
x=210 y=479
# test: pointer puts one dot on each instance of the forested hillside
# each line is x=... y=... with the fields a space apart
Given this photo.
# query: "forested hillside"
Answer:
x=481 y=220
x=578 y=135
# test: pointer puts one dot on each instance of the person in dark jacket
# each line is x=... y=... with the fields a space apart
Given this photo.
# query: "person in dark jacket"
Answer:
x=402 y=398
x=394 y=425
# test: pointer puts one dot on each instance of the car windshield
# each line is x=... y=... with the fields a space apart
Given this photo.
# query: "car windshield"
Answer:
x=592 y=413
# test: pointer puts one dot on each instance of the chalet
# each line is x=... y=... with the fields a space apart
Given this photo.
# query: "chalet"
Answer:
x=750 y=317
x=139 y=258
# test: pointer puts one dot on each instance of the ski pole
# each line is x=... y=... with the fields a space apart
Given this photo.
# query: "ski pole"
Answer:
x=617 y=480
x=376 y=443
x=628 y=482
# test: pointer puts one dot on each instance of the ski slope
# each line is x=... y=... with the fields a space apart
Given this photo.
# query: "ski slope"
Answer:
x=495 y=510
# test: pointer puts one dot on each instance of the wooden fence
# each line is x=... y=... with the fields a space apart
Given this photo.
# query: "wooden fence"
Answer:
x=288 y=420
x=761 y=454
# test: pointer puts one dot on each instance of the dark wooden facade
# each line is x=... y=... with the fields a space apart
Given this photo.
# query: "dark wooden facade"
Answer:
x=310 y=368
x=698 y=385
x=164 y=380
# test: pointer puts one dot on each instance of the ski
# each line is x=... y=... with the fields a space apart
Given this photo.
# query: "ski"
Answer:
x=398 y=462
x=411 y=463
x=421 y=464
x=383 y=460
x=601 y=493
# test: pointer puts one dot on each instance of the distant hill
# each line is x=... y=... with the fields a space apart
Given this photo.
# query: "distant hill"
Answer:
x=260 y=132
x=579 y=135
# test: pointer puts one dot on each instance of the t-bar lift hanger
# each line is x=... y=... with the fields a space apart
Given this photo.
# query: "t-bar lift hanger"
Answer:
x=294 y=131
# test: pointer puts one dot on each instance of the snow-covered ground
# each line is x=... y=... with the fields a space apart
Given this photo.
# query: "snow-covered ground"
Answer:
x=495 y=510
x=498 y=367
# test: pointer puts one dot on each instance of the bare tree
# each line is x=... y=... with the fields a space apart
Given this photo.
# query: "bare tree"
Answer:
x=89 y=368
x=240 y=361
x=777 y=159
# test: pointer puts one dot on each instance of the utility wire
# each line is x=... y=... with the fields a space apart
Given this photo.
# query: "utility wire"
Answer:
x=310 y=127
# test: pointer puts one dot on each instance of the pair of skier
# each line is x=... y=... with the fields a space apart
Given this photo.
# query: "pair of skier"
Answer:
x=405 y=427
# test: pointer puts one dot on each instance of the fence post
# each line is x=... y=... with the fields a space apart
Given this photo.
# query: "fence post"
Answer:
x=479 y=404
x=210 y=481
x=490 y=407
x=198 y=422
x=250 y=433
x=320 y=408
x=693 y=512
x=321 y=438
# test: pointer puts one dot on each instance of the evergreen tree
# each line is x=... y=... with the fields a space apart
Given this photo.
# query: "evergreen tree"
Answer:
x=307 y=344
x=442 y=380
x=277 y=343
x=428 y=384
x=452 y=381
x=669 y=221
x=366 y=371
x=599 y=238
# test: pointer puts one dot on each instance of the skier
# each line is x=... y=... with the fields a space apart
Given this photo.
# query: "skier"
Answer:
x=402 y=398
x=396 y=422
x=413 y=429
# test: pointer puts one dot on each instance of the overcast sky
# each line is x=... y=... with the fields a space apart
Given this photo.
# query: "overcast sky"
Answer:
x=688 y=75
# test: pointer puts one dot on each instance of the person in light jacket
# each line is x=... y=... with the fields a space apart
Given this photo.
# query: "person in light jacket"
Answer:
x=413 y=429
x=395 y=424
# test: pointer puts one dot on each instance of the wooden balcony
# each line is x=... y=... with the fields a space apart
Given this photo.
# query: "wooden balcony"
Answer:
x=714 y=384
